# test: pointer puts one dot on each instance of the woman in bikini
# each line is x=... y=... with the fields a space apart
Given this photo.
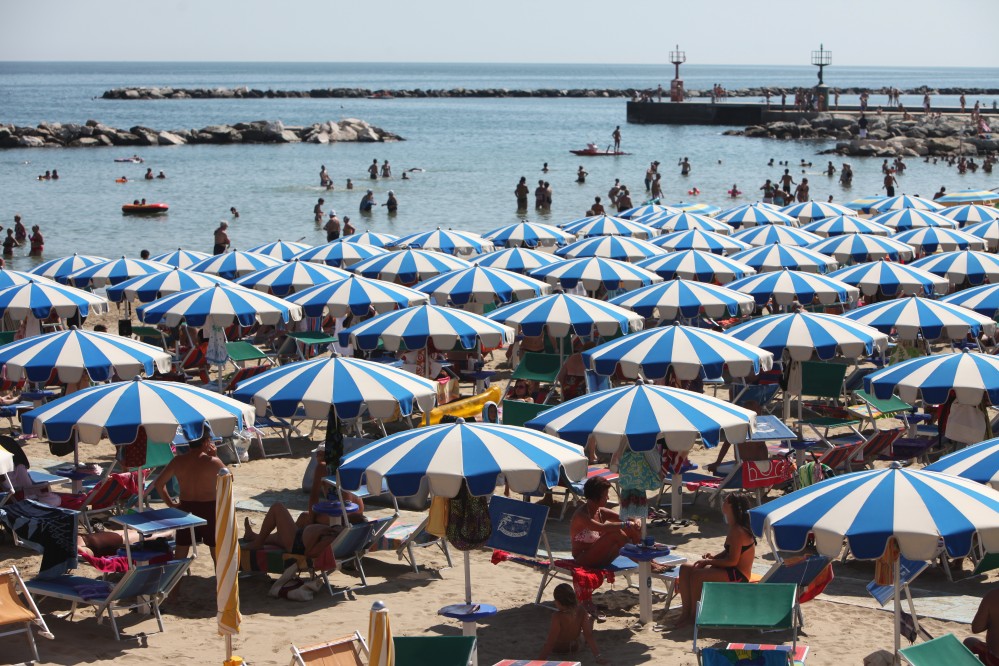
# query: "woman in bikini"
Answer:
x=279 y=529
x=733 y=564
x=598 y=533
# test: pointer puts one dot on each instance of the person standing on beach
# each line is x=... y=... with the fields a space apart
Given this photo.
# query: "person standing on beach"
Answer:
x=317 y=211
x=221 y=238
x=373 y=170
x=539 y=195
x=332 y=227
x=963 y=102
x=37 y=242
x=926 y=103
x=521 y=192
x=890 y=183
x=616 y=135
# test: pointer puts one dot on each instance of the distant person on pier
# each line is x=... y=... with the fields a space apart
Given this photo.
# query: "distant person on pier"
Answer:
x=616 y=135
x=862 y=124
x=221 y=238
x=836 y=99
x=964 y=102
x=521 y=192
x=926 y=103
x=37 y=242
x=659 y=92
x=373 y=170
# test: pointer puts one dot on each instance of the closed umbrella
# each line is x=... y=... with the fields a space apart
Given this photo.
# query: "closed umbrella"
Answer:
x=529 y=235
x=915 y=317
x=480 y=284
x=979 y=463
x=675 y=299
x=279 y=249
x=147 y=288
x=447 y=241
x=355 y=295
x=973 y=267
x=340 y=253
x=787 y=286
x=516 y=260
x=408 y=266
x=775 y=233
x=181 y=258
x=219 y=306
x=695 y=239
x=891 y=279
x=697 y=265
x=858 y=248
x=226 y=561
x=594 y=273
x=607 y=225
x=231 y=265
x=381 y=651
x=622 y=248
x=290 y=277
x=778 y=257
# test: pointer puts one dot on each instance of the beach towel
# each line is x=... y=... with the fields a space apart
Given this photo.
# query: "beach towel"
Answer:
x=437 y=523
x=52 y=530
x=585 y=580
x=636 y=478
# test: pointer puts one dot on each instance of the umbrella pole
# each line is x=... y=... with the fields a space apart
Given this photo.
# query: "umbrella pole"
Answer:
x=228 y=648
x=468 y=579
x=898 y=608
x=676 y=504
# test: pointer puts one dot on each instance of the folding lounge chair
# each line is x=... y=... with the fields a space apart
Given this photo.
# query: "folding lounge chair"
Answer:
x=18 y=610
x=436 y=650
x=572 y=492
x=764 y=606
x=756 y=396
x=827 y=382
x=810 y=574
x=354 y=542
x=518 y=413
x=404 y=539
x=538 y=367
x=778 y=655
x=142 y=586
x=909 y=570
x=347 y=651
x=943 y=650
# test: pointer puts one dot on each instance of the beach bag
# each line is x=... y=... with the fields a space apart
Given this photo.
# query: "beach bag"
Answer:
x=468 y=523
x=437 y=520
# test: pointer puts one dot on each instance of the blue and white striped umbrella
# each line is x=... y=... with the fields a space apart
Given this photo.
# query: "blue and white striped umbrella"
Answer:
x=638 y=416
x=969 y=196
x=606 y=225
x=477 y=454
x=697 y=265
x=778 y=257
x=646 y=210
x=970 y=375
x=58 y=269
x=418 y=326
x=988 y=231
x=40 y=299
x=74 y=352
x=684 y=221
x=815 y=210
x=622 y=248
x=516 y=260
x=353 y=387
x=787 y=286
x=859 y=248
x=219 y=305
x=963 y=266
x=356 y=295
x=10 y=278
x=915 y=317
x=971 y=214
x=116 y=411
x=695 y=239
x=685 y=299
x=751 y=215
x=806 y=334
x=864 y=204
x=372 y=238
x=114 y=271
x=279 y=249
x=231 y=265
x=905 y=202
x=408 y=266
x=928 y=240
x=480 y=284
x=561 y=314
x=181 y=258
x=978 y=463
x=891 y=279
x=447 y=241
x=903 y=220
x=595 y=272
x=692 y=352
x=340 y=253
x=847 y=224
x=983 y=299
x=769 y=234
x=696 y=207
x=529 y=235
x=290 y=277
x=147 y=288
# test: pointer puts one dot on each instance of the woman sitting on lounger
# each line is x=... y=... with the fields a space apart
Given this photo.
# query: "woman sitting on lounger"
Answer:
x=597 y=532
x=279 y=529
x=733 y=564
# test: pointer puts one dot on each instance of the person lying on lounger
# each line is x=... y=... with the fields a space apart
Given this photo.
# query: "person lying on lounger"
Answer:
x=279 y=529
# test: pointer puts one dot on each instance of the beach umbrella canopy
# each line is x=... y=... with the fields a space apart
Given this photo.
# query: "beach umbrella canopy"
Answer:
x=695 y=239
x=595 y=272
x=847 y=224
x=219 y=305
x=381 y=650
x=970 y=375
x=473 y=453
x=622 y=248
x=697 y=265
x=696 y=207
x=371 y=238
x=40 y=299
x=983 y=299
x=480 y=284
x=416 y=327
x=769 y=234
x=970 y=214
x=905 y=202
x=930 y=239
x=356 y=295
x=646 y=210
x=913 y=317
x=340 y=253
x=777 y=257
x=864 y=204
x=529 y=235
x=683 y=221
x=607 y=225
x=58 y=269
x=640 y=415
x=978 y=463
x=117 y=411
x=72 y=353
x=787 y=286
x=561 y=314
x=909 y=218
x=290 y=277
x=353 y=387
x=408 y=266
x=858 y=248
x=181 y=258
x=963 y=266
x=891 y=279
x=751 y=215
x=448 y=241
x=114 y=271
x=988 y=231
x=968 y=197
x=10 y=278
x=226 y=554
x=674 y=299
x=516 y=260
x=279 y=249
x=692 y=352
x=803 y=335
x=149 y=287
x=816 y=210
x=233 y=264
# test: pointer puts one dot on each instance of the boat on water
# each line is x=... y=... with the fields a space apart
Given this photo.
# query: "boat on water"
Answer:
x=135 y=159
x=144 y=209
x=592 y=150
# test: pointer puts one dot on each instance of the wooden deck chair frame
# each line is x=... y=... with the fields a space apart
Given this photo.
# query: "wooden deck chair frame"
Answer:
x=345 y=651
x=17 y=608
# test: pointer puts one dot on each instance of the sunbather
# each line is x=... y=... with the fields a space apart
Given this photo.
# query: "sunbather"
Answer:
x=733 y=564
x=597 y=532
x=312 y=517
x=567 y=624
x=279 y=529
x=987 y=620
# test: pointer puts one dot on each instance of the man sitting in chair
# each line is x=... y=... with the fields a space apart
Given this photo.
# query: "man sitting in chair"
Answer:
x=598 y=533
x=987 y=620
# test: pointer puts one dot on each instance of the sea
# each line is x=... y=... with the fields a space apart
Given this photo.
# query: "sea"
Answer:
x=469 y=153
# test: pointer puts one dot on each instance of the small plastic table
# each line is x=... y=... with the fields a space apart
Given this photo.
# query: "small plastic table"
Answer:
x=644 y=556
x=469 y=615
x=333 y=508
x=76 y=475
x=147 y=523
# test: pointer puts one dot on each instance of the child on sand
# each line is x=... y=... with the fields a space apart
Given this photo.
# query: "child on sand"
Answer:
x=569 y=621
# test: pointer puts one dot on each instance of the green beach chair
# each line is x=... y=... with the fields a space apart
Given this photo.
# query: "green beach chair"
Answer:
x=437 y=650
x=518 y=413
x=943 y=650
x=763 y=606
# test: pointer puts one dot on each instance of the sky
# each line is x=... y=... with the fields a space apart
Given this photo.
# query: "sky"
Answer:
x=917 y=33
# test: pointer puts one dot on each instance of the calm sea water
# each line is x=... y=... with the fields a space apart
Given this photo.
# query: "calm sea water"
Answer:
x=472 y=151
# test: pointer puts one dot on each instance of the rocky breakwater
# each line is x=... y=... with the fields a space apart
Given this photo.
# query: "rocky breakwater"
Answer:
x=93 y=133
x=356 y=93
x=887 y=136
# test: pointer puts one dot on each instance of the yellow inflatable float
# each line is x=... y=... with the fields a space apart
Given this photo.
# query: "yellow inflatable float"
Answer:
x=465 y=407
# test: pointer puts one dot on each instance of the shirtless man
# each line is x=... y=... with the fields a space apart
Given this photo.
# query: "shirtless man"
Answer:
x=597 y=208
x=317 y=210
x=616 y=135
x=890 y=183
x=987 y=620
x=332 y=227
x=37 y=242
x=221 y=238
x=614 y=191
x=373 y=170
x=521 y=192
x=196 y=473
x=786 y=181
